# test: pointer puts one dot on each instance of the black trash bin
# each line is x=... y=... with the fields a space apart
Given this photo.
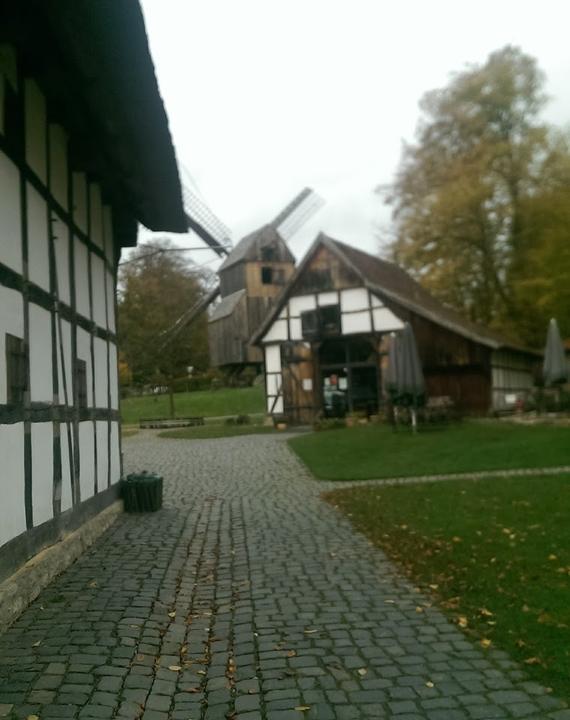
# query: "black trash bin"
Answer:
x=142 y=492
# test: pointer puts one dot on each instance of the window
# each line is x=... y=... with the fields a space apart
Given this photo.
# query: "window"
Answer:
x=267 y=275
x=329 y=317
x=81 y=376
x=17 y=370
x=310 y=324
x=322 y=322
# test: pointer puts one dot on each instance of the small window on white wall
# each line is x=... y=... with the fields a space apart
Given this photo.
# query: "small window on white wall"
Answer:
x=16 y=370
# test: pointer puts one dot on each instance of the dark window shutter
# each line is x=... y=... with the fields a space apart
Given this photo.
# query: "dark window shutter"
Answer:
x=16 y=370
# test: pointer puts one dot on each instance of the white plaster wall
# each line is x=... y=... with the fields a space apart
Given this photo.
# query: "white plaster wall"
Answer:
x=10 y=208
x=328 y=298
x=81 y=277
x=41 y=381
x=96 y=216
x=42 y=472
x=301 y=303
x=84 y=353
x=114 y=376
x=12 y=507
x=61 y=244
x=86 y=460
x=36 y=129
x=273 y=384
x=110 y=287
x=66 y=497
x=295 y=329
x=11 y=321
x=278 y=409
x=278 y=331
x=38 y=246
x=100 y=373
x=58 y=177
x=102 y=433
x=385 y=320
x=354 y=299
x=115 y=454
x=273 y=358
x=79 y=192
x=98 y=285
x=64 y=361
x=356 y=322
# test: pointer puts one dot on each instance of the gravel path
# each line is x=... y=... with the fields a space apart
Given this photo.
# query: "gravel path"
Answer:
x=246 y=596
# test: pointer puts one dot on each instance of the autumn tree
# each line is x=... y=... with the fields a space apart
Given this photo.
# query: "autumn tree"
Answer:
x=156 y=285
x=469 y=197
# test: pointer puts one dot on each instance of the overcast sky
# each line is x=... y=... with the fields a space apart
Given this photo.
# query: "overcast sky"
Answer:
x=267 y=96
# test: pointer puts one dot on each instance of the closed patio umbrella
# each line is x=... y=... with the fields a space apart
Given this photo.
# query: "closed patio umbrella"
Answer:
x=405 y=379
x=555 y=367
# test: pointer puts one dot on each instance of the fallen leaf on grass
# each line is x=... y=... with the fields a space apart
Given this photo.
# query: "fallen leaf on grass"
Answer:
x=552 y=557
x=486 y=643
x=485 y=612
x=532 y=661
x=462 y=621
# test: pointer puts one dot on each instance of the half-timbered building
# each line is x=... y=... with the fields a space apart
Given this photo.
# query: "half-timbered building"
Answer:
x=85 y=154
x=326 y=341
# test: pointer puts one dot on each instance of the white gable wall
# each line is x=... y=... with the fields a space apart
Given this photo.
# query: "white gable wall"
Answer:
x=362 y=312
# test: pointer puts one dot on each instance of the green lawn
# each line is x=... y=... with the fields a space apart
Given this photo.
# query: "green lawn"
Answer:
x=204 y=403
x=215 y=431
x=376 y=451
x=494 y=554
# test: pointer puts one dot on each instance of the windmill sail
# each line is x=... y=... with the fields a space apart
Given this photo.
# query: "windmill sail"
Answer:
x=296 y=213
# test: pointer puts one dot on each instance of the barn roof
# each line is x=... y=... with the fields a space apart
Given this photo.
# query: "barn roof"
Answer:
x=390 y=280
x=92 y=61
x=249 y=248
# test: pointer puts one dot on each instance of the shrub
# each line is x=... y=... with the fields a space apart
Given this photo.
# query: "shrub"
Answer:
x=329 y=424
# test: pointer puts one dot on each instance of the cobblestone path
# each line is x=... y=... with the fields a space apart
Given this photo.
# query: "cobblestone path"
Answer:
x=248 y=597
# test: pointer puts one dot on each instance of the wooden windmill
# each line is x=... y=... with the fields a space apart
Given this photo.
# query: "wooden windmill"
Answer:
x=250 y=278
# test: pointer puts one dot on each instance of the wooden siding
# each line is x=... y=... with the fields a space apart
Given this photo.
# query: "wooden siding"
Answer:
x=325 y=272
x=256 y=288
x=232 y=279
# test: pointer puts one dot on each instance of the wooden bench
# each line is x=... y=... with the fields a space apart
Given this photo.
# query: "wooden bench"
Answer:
x=158 y=423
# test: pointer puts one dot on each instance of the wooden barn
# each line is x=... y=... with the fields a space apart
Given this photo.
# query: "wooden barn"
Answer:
x=326 y=339
x=251 y=277
x=85 y=154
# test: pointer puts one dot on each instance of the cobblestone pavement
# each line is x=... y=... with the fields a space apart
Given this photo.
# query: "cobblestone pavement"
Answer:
x=246 y=596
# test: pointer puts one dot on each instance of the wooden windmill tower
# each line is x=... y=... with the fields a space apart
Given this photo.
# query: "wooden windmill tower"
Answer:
x=251 y=277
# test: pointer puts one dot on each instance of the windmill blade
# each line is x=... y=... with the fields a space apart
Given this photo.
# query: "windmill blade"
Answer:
x=297 y=212
x=188 y=317
x=205 y=224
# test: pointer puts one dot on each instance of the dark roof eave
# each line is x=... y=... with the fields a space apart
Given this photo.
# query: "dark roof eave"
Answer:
x=93 y=62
